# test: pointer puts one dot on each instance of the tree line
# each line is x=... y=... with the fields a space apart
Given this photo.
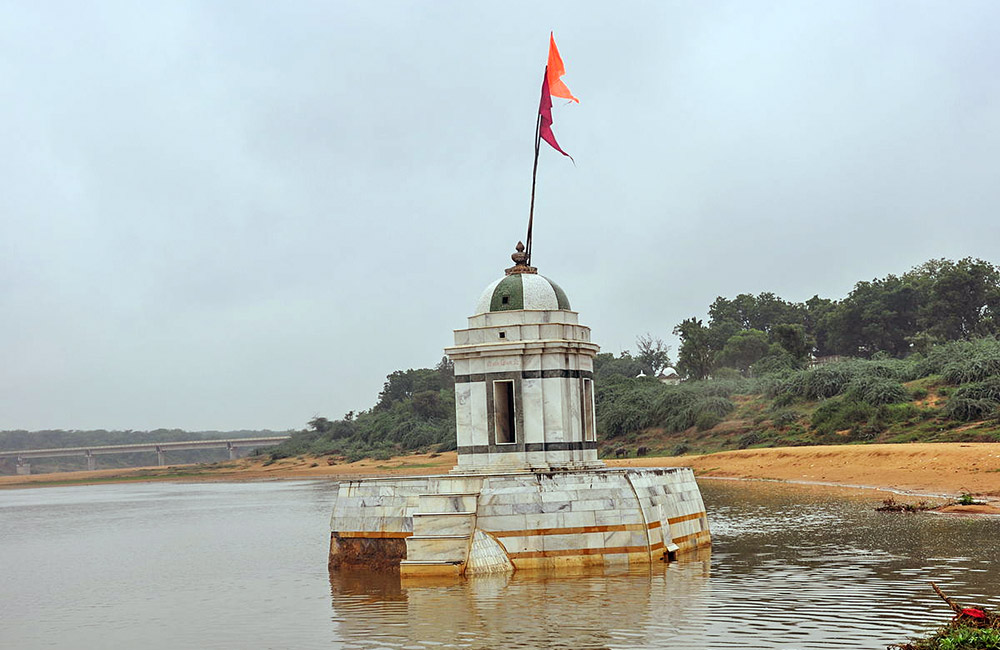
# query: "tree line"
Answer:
x=936 y=302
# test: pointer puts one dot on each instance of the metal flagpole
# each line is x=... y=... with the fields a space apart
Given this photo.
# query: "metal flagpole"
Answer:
x=534 y=176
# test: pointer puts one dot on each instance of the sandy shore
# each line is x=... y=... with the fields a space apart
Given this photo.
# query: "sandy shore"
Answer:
x=920 y=468
x=923 y=468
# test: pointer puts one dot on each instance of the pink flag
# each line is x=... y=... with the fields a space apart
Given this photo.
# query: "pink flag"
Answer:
x=545 y=111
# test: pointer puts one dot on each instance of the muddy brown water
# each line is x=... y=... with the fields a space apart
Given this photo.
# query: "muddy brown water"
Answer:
x=243 y=565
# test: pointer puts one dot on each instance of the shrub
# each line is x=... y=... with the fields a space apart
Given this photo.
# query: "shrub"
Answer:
x=629 y=405
x=706 y=420
x=785 y=399
x=775 y=364
x=988 y=389
x=918 y=394
x=680 y=449
x=840 y=414
x=876 y=390
x=784 y=418
x=967 y=409
x=903 y=412
x=725 y=373
x=749 y=438
x=961 y=372
x=826 y=381
x=719 y=406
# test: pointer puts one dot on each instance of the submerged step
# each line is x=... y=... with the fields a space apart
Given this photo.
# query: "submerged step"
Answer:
x=444 y=548
x=429 y=569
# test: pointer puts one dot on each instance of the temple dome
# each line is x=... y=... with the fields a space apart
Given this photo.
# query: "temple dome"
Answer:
x=522 y=291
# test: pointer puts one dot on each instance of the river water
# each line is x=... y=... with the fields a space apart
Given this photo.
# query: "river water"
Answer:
x=243 y=565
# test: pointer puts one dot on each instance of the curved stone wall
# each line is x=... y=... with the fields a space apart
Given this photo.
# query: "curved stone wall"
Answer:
x=539 y=520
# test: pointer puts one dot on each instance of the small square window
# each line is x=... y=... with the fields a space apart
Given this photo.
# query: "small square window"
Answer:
x=505 y=300
x=503 y=335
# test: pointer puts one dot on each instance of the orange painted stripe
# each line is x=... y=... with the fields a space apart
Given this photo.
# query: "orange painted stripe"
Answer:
x=366 y=534
x=565 y=531
x=579 y=551
x=590 y=529
x=657 y=546
x=681 y=540
x=677 y=520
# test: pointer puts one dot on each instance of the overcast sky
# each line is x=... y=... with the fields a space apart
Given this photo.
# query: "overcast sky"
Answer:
x=224 y=215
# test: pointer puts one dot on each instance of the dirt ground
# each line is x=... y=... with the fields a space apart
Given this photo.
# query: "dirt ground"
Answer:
x=920 y=468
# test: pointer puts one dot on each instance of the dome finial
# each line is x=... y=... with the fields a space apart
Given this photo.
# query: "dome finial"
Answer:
x=520 y=262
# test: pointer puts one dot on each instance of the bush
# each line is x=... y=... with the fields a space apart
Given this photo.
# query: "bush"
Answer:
x=629 y=405
x=961 y=372
x=967 y=410
x=988 y=389
x=725 y=373
x=784 y=418
x=826 y=381
x=718 y=406
x=706 y=420
x=772 y=364
x=918 y=394
x=749 y=438
x=876 y=390
x=903 y=412
x=839 y=414
x=680 y=449
x=785 y=399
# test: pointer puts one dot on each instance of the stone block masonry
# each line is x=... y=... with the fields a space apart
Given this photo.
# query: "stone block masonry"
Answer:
x=518 y=520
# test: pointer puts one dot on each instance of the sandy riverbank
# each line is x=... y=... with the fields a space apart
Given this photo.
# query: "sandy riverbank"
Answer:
x=922 y=468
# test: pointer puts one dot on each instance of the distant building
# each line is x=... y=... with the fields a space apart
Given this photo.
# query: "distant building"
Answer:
x=822 y=361
x=669 y=376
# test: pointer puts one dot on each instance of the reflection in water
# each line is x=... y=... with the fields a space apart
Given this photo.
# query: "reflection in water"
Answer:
x=244 y=566
x=792 y=567
x=589 y=609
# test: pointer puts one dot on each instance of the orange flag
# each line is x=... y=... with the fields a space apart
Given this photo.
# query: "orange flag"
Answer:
x=555 y=71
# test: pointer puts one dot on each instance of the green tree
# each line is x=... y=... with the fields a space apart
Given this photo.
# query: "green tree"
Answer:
x=606 y=365
x=744 y=349
x=877 y=316
x=694 y=358
x=962 y=298
x=793 y=338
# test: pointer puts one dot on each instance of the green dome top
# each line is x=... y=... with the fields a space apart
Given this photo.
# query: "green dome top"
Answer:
x=522 y=291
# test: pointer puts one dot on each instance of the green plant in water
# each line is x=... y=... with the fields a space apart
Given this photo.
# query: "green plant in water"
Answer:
x=966 y=499
x=970 y=638
x=957 y=638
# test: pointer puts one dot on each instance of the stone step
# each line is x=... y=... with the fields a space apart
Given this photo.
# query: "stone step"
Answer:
x=431 y=569
x=448 y=502
x=443 y=523
x=437 y=548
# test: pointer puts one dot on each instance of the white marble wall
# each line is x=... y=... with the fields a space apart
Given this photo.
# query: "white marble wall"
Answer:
x=615 y=515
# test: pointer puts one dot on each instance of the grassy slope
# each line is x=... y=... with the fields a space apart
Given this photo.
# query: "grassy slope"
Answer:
x=752 y=425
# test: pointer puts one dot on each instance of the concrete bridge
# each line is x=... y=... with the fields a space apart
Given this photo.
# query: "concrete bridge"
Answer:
x=23 y=456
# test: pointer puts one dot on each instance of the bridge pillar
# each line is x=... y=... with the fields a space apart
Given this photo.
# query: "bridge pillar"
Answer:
x=23 y=467
x=161 y=458
x=91 y=461
x=233 y=455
